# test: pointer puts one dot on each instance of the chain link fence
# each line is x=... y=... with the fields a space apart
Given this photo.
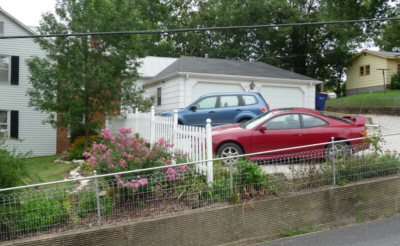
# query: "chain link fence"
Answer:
x=130 y=196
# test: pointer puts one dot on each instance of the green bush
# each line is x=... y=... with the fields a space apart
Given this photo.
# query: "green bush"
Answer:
x=79 y=130
x=395 y=82
x=76 y=154
x=13 y=169
x=351 y=170
x=88 y=204
x=34 y=212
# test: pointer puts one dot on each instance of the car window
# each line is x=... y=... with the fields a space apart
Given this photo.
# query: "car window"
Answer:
x=286 y=121
x=312 y=121
x=229 y=101
x=206 y=103
x=257 y=120
x=249 y=100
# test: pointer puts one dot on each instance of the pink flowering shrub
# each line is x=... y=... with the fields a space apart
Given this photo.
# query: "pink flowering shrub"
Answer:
x=129 y=152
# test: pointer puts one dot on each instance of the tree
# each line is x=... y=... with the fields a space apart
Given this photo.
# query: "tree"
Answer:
x=318 y=51
x=85 y=78
x=389 y=35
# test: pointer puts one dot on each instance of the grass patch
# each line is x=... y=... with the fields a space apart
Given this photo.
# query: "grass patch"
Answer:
x=47 y=170
x=294 y=232
x=375 y=99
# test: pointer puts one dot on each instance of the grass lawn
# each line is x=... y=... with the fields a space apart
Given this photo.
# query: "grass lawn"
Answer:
x=375 y=99
x=47 y=170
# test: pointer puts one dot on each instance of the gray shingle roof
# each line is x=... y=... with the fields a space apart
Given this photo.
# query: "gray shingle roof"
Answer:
x=187 y=64
x=384 y=53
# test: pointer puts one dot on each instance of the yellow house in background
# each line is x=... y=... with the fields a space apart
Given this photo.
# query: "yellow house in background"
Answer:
x=364 y=71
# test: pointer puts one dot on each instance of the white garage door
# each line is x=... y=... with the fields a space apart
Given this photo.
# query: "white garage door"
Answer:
x=282 y=97
x=202 y=88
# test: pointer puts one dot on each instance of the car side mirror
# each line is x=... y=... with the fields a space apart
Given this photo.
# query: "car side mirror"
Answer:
x=262 y=128
x=193 y=108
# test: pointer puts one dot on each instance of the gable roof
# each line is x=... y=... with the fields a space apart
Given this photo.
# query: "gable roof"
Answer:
x=17 y=21
x=382 y=54
x=200 y=65
x=153 y=65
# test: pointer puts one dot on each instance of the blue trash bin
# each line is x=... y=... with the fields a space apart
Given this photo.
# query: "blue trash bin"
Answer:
x=320 y=99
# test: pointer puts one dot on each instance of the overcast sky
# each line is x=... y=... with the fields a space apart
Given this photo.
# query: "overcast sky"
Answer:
x=29 y=12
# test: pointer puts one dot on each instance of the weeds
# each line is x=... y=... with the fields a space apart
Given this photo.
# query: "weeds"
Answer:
x=294 y=232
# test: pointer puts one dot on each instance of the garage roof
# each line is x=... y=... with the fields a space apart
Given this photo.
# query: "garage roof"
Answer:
x=187 y=64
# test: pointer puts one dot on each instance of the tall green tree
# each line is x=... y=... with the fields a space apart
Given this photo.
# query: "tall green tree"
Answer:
x=87 y=77
x=318 y=51
x=388 y=36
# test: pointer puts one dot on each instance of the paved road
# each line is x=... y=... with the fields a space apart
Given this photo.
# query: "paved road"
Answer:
x=385 y=232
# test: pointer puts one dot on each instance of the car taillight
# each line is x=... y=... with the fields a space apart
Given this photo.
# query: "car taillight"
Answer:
x=264 y=109
x=363 y=133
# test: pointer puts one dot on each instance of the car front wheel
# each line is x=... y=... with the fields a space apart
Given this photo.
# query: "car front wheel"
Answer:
x=229 y=150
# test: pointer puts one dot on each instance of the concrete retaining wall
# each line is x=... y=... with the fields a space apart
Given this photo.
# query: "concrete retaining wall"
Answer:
x=243 y=224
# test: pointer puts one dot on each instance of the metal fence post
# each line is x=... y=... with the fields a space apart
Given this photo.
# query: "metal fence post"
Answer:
x=98 y=200
x=333 y=162
x=210 y=174
x=152 y=126
x=136 y=120
x=231 y=176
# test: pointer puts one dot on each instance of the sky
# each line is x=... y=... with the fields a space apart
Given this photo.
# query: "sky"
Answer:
x=29 y=12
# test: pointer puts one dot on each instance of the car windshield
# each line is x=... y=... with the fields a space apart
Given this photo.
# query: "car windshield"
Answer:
x=335 y=117
x=257 y=120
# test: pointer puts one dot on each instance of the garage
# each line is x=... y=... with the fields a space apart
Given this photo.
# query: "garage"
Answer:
x=202 y=88
x=192 y=77
x=282 y=97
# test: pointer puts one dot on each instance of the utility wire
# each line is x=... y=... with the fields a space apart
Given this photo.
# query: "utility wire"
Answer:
x=200 y=29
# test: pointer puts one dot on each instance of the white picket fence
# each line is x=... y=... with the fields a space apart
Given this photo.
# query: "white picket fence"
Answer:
x=196 y=142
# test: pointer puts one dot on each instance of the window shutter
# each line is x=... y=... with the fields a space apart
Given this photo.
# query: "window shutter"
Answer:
x=14 y=124
x=14 y=70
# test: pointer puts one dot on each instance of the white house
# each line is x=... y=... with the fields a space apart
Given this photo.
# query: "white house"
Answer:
x=178 y=82
x=17 y=120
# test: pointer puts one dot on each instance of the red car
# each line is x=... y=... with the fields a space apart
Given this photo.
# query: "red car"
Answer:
x=287 y=128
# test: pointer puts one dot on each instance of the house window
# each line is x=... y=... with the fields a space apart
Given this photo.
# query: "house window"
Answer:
x=4 y=69
x=1 y=28
x=158 y=96
x=365 y=70
x=9 y=69
x=9 y=123
x=4 y=128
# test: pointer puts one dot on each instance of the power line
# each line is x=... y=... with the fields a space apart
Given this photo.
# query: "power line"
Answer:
x=199 y=29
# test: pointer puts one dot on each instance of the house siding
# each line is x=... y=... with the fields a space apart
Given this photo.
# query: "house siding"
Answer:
x=39 y=138
x=374 y=82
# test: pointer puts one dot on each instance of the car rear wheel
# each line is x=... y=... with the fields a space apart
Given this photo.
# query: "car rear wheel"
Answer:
x=337 y=151
x=229 y=150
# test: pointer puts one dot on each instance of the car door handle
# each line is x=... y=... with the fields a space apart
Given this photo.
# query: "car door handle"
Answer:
x=211 y=112
x=297 y=135
x=238 y=110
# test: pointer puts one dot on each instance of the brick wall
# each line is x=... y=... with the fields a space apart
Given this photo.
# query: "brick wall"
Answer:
x=245 y=224
x=63 y=141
